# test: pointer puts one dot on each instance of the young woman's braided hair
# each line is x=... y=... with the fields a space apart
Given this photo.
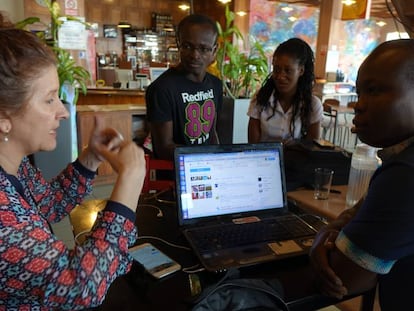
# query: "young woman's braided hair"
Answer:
x=300 y=50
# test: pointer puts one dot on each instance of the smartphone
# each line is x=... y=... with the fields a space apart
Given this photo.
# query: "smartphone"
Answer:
x=153 y=260
x=322 y=143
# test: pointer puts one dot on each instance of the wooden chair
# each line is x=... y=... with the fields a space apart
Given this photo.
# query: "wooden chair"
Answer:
x=330 y=119
x=352 y=104
x=152 y=181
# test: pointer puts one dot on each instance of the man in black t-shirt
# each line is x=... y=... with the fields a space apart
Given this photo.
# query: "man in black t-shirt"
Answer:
x=182 y=104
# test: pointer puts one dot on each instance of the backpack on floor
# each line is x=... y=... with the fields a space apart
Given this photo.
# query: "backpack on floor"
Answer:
x=238 y=294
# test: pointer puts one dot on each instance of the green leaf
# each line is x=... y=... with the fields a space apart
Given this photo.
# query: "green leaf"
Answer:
x=241 y=71
x=27 y=21
x=68 y=70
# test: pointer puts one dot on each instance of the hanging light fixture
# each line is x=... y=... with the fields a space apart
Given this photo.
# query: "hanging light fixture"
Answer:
x=348 y=2
x=224 y=1
x=124 y=24
x=287 y=9
x=184 y=7
x=352 y=9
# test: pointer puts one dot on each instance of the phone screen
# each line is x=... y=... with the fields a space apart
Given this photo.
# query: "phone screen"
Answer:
x=154 y=261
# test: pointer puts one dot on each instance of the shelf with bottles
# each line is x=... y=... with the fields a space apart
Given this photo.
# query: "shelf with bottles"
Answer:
x=147 y=46
x=162 y=24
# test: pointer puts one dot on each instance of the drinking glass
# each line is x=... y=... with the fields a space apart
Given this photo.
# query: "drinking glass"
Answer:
x=323 y=181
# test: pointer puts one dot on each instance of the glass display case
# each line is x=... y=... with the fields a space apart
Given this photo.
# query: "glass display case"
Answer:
x=156 y=45
x=142 y=47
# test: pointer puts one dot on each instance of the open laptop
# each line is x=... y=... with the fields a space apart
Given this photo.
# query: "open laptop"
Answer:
x=239 y=188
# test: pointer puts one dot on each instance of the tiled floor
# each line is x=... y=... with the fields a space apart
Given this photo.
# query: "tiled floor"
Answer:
x=101 y=192
x=63 y=229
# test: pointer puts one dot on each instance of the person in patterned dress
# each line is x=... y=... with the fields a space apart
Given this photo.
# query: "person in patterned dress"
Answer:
x=37 y=270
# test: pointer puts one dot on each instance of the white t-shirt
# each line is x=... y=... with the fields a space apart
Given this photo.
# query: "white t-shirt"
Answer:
x=277 y=127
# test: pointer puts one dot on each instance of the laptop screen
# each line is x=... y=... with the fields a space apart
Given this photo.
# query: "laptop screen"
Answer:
x=217 y=180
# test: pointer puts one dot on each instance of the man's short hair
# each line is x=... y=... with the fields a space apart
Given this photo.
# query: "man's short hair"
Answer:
x=196 y=19
x=405 y=49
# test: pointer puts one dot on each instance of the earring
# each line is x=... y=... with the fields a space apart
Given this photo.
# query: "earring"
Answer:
x=6 y=138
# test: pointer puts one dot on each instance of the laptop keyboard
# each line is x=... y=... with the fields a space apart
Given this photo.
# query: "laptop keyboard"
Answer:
x=276 y=229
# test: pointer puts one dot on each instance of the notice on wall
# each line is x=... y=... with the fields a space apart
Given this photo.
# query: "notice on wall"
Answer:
x=71 y=7
x=72 y=35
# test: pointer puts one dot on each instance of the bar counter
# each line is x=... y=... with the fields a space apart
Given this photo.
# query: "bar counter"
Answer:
x=122 y=109
x=107 y=95
x=137 y=109
x=109 y=90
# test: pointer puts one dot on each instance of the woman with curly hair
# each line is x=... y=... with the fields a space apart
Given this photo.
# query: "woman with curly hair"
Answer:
x=284 y=107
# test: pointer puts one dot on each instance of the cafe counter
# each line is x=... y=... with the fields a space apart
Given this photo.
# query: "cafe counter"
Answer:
x=122 y=109
x=111 y=96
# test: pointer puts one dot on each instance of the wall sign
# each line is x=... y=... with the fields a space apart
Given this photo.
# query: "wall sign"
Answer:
x=71 y=7
x=72 y=35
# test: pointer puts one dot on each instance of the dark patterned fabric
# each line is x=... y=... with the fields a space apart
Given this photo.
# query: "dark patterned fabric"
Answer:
x=37 y=271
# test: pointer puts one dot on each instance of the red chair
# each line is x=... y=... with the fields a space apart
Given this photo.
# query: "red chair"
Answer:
x=151 y=182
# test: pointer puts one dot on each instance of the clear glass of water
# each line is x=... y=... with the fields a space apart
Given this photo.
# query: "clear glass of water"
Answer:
x=323 y=181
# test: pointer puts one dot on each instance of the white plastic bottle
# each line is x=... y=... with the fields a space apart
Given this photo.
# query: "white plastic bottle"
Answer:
x=364 y=162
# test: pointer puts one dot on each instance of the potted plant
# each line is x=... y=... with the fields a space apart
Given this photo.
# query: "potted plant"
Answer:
x=242 y=73
x=70 y=74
